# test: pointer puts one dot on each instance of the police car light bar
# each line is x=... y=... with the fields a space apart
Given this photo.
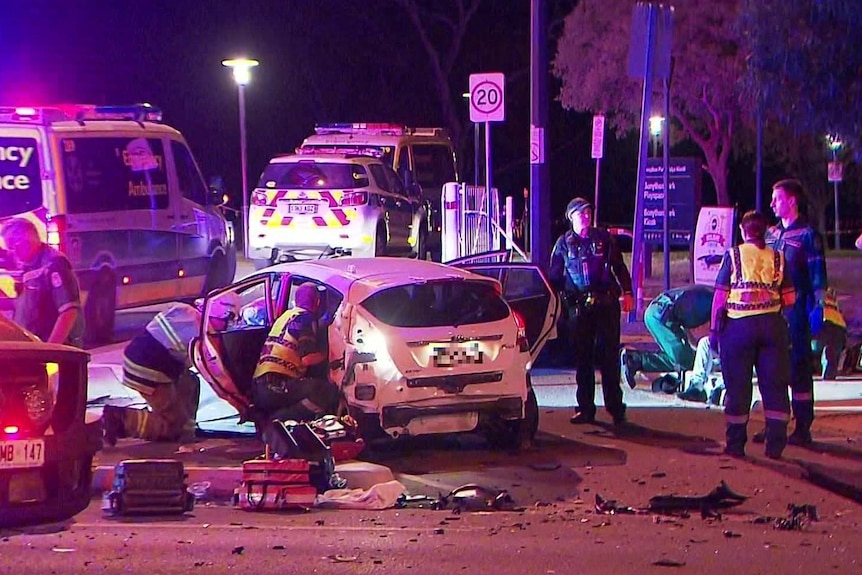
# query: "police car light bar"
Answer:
x=346 y=128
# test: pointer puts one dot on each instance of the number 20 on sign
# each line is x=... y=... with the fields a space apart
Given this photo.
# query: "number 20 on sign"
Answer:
x=487 y=97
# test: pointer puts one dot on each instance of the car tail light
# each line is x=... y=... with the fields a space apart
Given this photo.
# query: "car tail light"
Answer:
x=26 y=399
x=55 y=230
x=258 y=198
x=354 y=199
x=521 y=338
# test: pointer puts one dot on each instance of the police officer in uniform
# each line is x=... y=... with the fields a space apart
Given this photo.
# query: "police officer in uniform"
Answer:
x=156 y=364
x=750 y=333
x=282 y=388
x=49 y=302
x=806 y=264
x=588 y=270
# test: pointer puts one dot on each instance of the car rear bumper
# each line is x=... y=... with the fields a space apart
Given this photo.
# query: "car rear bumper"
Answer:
x=503 y=408
x=58 y=489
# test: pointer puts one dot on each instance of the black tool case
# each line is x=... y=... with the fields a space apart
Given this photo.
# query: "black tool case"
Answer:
x=148 y=486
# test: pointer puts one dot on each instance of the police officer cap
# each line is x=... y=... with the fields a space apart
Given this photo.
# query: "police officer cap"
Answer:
x=577 y=205
x=307 y=297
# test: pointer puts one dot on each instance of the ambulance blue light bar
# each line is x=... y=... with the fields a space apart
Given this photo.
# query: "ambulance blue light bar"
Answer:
x=80 y=113
x=315 y=149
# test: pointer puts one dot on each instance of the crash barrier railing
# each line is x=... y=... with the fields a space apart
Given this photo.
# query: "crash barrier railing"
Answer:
x=471 y=221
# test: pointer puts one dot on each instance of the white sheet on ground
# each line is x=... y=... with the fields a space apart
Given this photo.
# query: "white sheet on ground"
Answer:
x=380 y=496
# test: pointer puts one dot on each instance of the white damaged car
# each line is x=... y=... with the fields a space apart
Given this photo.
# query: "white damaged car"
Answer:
x=417 y=347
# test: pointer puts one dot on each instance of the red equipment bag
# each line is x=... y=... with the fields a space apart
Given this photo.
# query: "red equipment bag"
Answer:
x=275 y=484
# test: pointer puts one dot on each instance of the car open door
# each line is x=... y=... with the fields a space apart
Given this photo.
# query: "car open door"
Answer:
x=529 y=294
x=227 y=359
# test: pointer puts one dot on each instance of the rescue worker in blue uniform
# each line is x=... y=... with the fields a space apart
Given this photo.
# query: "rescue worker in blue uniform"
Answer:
x=49 y=301
x=156 y=364
x=669 y=317
x=806 y=264
x=829 y=342
x=588 y=271
x=750 y=333
x=282 y=388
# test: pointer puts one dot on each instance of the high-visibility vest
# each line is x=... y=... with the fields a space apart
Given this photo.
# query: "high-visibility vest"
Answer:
x=280 y=353
x=831 y=311
x=755 y=281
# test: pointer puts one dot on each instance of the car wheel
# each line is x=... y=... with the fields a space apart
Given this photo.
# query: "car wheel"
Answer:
x=517 y=434
x=100 y=311
x=421 y=250
x=380 y=241
x=217 y=273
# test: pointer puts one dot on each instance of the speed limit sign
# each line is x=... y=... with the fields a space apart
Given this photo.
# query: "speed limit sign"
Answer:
x=487 y=102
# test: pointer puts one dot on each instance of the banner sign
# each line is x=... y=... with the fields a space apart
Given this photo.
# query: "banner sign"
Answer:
x=712 y=238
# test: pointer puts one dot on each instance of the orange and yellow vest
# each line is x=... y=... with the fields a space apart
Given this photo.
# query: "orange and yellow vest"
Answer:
x=280 y=353
x=755 y=281
x=831 y=311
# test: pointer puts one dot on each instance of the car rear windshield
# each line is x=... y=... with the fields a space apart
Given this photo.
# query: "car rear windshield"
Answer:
x=436 y=304
x=20 y=176
x=314 y=175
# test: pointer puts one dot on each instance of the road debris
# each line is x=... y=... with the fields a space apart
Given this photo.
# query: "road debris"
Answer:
x=721 y=497
x=798 y=517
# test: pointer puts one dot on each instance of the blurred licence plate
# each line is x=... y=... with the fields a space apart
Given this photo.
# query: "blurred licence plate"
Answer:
x=22 y=453
x=452 y=355
x=299 y=208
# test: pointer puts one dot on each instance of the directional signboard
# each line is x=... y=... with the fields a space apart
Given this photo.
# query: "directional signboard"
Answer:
x=684 y=183
x=487 y=97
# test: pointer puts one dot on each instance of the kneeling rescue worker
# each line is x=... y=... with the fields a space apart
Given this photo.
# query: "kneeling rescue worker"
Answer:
x=750 y=333
x=588 y=270
x=282 y=388
x=156 y=364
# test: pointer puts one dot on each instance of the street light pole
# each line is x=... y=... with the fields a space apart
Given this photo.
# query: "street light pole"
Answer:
x=241 y=68
x=835 y=145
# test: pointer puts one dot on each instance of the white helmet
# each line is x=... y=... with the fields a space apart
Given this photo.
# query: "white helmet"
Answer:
x=225 y=306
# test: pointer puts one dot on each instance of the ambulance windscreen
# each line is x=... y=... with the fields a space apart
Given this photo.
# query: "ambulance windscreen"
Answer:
x=314 y=176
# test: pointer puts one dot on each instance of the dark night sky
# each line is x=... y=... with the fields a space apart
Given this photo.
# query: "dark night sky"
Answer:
x=321 y=61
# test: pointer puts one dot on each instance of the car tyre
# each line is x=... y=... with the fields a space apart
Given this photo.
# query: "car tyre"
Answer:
x=218 y=273
x=100 y=310
x=380 y=241
x=516 y=434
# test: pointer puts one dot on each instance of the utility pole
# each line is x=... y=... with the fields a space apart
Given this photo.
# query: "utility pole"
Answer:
x=540 y=193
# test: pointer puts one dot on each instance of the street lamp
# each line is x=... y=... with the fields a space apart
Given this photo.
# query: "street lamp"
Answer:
x=655 y=125
x=835 y=144
x=241 y=68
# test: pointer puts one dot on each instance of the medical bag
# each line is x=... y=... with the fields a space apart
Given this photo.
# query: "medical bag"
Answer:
x=148 y=486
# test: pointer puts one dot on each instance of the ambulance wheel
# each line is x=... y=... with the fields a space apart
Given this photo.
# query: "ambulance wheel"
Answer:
x=516 y=434
x=217 y=273
x=380 y=241
x=100 y=311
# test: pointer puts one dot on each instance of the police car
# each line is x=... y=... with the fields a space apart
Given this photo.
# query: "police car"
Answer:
x=47 y=440
x=417 y=347
x=314 y=204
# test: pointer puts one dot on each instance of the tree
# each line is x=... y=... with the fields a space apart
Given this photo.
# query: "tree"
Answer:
x=441 y=27
x=804 y=58
x=591 y=62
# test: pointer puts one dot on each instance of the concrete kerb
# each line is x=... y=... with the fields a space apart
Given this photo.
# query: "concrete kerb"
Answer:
x=222 y=480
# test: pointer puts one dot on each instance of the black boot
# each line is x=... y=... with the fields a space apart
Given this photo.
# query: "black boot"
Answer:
x=803 y=411
x=776 y=438
x=736 y=437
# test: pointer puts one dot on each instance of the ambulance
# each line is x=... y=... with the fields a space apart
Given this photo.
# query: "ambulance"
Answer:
x=423 y=157
x=120 y=193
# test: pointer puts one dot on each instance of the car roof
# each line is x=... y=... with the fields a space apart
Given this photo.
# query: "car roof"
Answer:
x=11 y=331
x=359 y=278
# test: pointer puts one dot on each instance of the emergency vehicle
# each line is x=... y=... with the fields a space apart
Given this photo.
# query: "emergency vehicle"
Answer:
x=420 y=156
x=311 y=205
x=119 y=192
